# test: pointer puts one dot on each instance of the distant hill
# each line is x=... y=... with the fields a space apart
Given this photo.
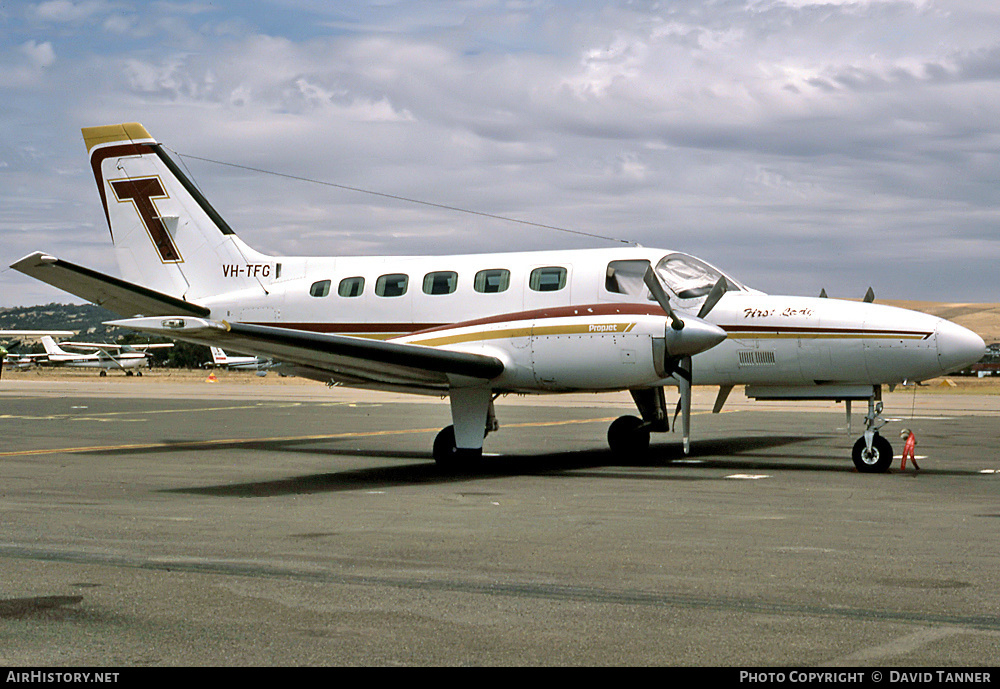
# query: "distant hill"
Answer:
x=87 y=319
x=982 y=319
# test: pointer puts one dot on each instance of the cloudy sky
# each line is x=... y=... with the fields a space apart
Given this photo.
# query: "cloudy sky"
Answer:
x=797 y=144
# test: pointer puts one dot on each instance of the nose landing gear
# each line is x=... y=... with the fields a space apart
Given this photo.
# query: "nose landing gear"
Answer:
x=872 y=453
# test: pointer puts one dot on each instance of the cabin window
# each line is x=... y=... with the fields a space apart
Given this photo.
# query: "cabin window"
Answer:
x=549 y=279
x=351 y=287
x=443 y=282
x=320 y=289
x=492 y=281
x=391 y=285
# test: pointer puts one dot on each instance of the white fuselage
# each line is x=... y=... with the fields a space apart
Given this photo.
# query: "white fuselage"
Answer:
x=587 y=335
x=119 y=361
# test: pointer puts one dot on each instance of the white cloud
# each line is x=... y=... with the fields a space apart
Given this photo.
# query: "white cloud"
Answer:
x=65 y=11
x=40 y=55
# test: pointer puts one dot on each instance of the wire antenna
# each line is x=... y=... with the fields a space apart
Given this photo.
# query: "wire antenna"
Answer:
x=394 y=197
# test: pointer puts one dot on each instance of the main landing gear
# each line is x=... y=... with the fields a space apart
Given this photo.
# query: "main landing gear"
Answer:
x=872 y=453
x=628 y=436
x=460 y=446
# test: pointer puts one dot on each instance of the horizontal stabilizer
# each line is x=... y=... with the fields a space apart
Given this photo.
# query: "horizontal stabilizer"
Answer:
x=337 y=357
x=114 y=294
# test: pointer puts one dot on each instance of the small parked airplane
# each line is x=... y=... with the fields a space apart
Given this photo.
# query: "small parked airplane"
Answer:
x=23 y=361
x=101 y=356
x=239 y=363
x=475 y=327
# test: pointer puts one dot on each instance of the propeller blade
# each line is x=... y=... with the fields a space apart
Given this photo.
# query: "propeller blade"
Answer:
x=719 y=289
x=656 y=289
x=685 y=402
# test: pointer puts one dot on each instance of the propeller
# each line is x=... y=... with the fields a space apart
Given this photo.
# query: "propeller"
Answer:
x=660 y=294
x=684 y=339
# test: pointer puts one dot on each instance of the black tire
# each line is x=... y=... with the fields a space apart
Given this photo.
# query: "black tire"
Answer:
x=628 y=438
x=448 y=456
x=875 y=462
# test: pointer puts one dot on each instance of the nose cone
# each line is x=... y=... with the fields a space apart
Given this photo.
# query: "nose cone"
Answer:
x=957 y=347
x=695 y=337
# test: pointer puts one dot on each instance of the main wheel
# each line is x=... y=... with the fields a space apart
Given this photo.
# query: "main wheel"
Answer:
x=448 y=456
x=875 y=462
x=628 y=437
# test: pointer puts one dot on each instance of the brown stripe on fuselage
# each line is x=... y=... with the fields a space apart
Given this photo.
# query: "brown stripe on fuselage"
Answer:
x=792 y=331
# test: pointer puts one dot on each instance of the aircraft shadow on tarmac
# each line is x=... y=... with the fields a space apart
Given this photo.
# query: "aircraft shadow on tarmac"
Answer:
x=724 y=453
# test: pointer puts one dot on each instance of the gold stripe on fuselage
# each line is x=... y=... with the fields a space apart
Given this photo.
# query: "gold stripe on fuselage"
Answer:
x=536 y=331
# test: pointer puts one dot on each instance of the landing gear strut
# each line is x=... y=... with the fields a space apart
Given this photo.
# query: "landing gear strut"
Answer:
x=460 y=445
x=872 y=453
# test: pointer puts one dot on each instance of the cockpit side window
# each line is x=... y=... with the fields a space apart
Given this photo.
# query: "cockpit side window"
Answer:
x=625 y=277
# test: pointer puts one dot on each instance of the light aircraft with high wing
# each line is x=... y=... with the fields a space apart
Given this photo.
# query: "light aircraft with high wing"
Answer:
x=102 y=356
x=22 y=361
x=475 y=327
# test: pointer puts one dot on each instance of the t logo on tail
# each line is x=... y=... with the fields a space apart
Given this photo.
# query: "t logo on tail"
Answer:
x=141 y=193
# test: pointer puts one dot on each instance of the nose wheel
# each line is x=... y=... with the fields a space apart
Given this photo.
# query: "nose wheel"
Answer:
x=874 y=460
x=872 y=453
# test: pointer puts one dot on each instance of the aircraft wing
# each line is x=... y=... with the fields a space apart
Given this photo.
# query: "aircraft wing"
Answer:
x=354 y=361
x=35 y=334
x=111 y=346
x=114 y=294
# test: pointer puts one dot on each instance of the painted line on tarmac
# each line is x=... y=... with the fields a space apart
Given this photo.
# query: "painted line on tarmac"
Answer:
x=93 y=416
x=192 y=444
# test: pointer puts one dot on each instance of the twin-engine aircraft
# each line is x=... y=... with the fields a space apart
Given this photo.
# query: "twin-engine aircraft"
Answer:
x=474 y=327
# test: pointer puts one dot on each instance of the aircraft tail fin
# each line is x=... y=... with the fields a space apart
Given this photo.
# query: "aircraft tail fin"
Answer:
x=52 y=347
x=218 y=356
x=167 y=236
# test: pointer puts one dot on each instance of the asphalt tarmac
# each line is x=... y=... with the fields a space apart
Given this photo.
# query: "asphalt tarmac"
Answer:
x=148 y=524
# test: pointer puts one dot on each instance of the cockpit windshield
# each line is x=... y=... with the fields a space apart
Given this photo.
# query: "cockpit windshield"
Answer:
x=686 y=278
x=690 y=278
